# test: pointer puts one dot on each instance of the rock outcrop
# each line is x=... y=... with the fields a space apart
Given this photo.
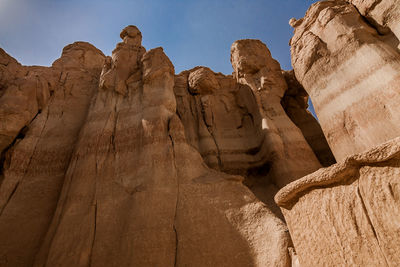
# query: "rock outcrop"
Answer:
x=347 y=214
x=347 y=59
x=106 y=169
x=221 y=121
x=351 y=73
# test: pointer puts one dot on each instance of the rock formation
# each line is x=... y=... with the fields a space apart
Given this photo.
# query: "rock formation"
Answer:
x=117 y=161
x=108 y=170
x=352 y=75
x=42 y=111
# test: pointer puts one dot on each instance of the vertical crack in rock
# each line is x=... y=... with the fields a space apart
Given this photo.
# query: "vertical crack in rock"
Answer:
x=177 y=194
x=94 y=234
x=9 y=197
x=28 y=166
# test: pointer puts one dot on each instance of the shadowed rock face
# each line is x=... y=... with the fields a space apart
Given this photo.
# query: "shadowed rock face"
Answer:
x=295 y=104
x=352 y=75
x=104 y=163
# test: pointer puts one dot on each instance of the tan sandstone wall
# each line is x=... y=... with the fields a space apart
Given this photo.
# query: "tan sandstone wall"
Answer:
x=347 y=214
x=352 y=74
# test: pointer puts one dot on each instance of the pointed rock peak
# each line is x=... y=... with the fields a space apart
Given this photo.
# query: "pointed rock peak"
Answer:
x=131 y=35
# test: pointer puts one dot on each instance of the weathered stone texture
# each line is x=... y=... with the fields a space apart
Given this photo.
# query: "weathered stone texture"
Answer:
x=352 y=75
x=347 y=214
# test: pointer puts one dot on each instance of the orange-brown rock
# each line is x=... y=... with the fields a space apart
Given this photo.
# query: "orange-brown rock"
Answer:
x=41 y=113
x=351 y=73
x=347 y=214
x=292 y=157
x=104 y=172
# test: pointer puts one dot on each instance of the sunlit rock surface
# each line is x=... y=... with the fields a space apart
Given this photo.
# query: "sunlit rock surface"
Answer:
x=351 y=73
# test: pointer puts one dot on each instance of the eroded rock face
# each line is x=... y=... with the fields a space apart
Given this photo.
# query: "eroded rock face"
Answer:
x=352 y=75
x=347 y=214
x=292 y=156
x=107 y=171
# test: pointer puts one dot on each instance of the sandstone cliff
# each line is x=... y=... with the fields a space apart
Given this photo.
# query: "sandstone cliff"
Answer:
x=118 y=161
x=115 y=161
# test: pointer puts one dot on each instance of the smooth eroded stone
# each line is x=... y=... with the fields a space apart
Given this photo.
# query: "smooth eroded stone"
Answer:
x=347 y=214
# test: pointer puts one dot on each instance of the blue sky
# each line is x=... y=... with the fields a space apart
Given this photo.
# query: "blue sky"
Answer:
x=192 y=32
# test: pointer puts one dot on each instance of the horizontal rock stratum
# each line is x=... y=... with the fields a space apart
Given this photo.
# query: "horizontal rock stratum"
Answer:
x=118 y=161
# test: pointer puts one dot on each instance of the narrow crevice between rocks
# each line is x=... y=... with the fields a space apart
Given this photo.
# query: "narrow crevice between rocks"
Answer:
x=209 y=129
